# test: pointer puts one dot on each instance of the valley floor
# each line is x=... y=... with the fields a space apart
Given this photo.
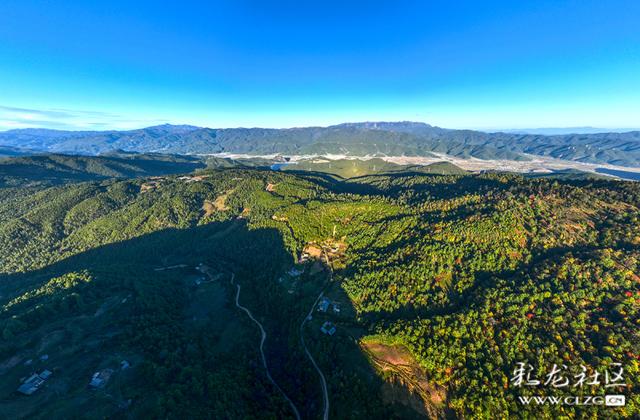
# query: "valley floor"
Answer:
x=536 y=164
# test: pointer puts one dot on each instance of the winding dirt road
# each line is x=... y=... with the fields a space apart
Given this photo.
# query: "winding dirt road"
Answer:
x=264 y=359
x=323 y=381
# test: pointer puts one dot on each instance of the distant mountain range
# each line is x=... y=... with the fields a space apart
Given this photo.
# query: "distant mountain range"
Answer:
x=351 y=139
x=553 y=131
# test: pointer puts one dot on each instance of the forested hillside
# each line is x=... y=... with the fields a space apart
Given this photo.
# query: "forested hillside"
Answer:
x=52 y=169
x=11 y=152
x=442 y=284
x=353 y=168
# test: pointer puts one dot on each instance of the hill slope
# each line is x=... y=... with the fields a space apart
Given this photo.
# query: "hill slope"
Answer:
x=351 y=168
x=443 y=283
x=54 y=169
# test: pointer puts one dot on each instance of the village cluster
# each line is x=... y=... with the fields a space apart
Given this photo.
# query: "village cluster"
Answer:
x=154 y=182
x=36 y=381
x=326 y=305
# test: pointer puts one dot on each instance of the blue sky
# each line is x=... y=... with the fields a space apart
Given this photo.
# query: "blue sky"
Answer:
x=459 y=64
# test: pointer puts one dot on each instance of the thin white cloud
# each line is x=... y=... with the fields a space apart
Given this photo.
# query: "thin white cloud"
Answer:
x=67 y=119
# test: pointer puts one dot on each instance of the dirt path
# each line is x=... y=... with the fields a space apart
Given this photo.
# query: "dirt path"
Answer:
x=323 y=381
x=264 y=359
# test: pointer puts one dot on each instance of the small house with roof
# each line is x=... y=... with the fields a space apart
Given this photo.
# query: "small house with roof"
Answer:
x=294 y=272
x=323 y=305
x=34 y=382
x=100 y=379
x=328 y=328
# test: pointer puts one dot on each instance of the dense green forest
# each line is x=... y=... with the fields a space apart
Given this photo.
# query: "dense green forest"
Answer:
x=443 y=284
x=54 y=169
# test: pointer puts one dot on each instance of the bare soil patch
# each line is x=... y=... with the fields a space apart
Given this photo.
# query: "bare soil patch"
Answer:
x=406 y=382
x=219 y=204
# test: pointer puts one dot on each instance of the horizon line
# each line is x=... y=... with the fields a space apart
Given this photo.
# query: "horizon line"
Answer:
x=485 y=130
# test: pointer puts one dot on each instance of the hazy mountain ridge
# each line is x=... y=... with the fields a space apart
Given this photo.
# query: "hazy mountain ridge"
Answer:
x=353 y=139
x=552 y=131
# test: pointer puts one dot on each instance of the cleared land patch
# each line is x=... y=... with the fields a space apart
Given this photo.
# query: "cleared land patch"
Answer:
x=219 y=204
x=402 y=373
